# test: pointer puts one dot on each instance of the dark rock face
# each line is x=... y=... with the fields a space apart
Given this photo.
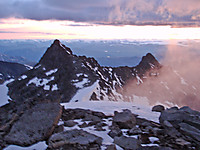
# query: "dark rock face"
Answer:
x=125 y=119
x=74 y=139
x=184 y=123
x=158 y=108
x=35 y=124
x=10 y=70
x=60 y=74
x=57 y=76
x=127 y=142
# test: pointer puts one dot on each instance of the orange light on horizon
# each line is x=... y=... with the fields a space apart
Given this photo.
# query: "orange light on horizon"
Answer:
x=13 y=28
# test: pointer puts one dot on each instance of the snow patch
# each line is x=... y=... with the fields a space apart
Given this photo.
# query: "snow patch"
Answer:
x=139 y=80
x=38 y=66
x=85 y=93
x=37 y=146
x=54 y=87
x=51 y=72
x=65 y=49
x=82 y=83
x=4 y=92
x=41 y=82
x=28 y=67
x=139 y=106
x=81 y=74
x=153 y=139
x=22 y=77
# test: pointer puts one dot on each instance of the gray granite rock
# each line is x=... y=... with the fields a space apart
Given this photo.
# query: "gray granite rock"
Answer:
x=127 y=142
x=125 y=119
x=36 y=124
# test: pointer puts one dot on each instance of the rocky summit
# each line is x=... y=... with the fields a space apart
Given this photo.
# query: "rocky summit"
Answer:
x=60 y=74
x=63 y=76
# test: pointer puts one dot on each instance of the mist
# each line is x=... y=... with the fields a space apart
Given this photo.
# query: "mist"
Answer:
x=176 y=83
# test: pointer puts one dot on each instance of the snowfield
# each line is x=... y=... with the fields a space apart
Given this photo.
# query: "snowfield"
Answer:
x=139 y=106
x=3 y=92
x=37 y=146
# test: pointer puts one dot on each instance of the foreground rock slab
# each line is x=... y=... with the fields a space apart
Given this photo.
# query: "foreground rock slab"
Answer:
x=127 y=142
x=35 y=124
x=74 y=140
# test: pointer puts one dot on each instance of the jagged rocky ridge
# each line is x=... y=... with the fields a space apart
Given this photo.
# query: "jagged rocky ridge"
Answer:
x=60 y=74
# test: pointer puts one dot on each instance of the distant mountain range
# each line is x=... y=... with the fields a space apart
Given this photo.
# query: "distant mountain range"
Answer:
x=15 y=59
x=9 y=70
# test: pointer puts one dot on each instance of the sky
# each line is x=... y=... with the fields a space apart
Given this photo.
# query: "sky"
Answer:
x=100 y=19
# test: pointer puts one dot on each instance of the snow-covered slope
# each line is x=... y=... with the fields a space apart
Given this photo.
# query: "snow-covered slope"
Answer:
x=4 y=93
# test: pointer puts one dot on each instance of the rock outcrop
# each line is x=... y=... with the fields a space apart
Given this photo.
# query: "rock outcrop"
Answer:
x=158 y=108
x=29 y=124
x=183 y=124
x=127 y=142
x=125 y=119
x=73 y=140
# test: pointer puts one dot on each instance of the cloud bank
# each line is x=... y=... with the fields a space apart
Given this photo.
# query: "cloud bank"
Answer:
x=114 y=12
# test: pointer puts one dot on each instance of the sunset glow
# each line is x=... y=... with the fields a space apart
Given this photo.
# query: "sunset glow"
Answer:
x=50 y=29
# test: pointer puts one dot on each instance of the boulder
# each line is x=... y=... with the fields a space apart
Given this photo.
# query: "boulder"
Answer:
x=127 y=142
x=114 y=131
x=111 y=147
x=90 y=117
x=134 y=131
x=125 y=119
x=35 y=124
x=70 y=123
x=158 y=108
x=174 y=116
x=74 y=139
x=144 y=138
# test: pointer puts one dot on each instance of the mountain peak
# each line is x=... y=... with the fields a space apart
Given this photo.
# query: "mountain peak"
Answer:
x=148 y=62
x=61 y=46
x=56 y=42
x=56 y=54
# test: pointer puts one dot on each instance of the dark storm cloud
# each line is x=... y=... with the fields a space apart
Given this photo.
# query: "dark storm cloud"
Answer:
x=117 y=12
